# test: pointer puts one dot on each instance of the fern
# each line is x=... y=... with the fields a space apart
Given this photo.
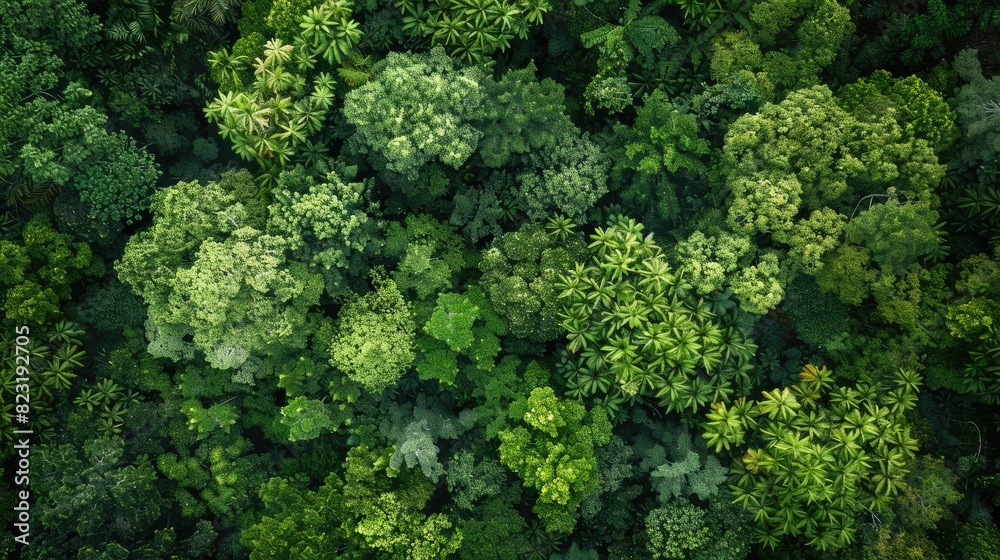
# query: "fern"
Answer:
x=990 y=18
x=600 y=35
x=356 y=70
x=188 y=12
x=939 y=13
x=27 y=193
x=650 y=35
x=352 y=76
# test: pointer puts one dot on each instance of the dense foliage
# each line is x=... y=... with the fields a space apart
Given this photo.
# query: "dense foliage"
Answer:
x=501 y=279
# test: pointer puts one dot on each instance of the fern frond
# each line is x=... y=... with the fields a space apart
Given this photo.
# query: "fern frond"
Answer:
x=938 y=13
x=352 y=76
x=27 y=193
x=599 y=35
x=651 y=34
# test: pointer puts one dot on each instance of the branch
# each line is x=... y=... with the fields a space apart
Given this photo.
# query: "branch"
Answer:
x=862 y=200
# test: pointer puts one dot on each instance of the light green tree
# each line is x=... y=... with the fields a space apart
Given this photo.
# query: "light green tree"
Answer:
x=636 y=330
x=921 y=111
x=271 y=121
x=306 y=418
x=460 y=325
x=711 y=260
x=552 y=450
x=817 y=455
x=373 y=344
x=415 y=109
x=206 y=275
x=385 y=510
x=239 y=297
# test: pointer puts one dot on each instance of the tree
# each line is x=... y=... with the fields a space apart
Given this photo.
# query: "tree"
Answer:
x=759 y=286
x=328 y=31
x=418 y=429
x=55 y=136
x=417 y=448
x=298 y=524
x=797 y=181
x=524 y=115
x=416 y=109
x=205 y=274
x=463 y=325
x=975 y=315
x=662 y=148
x=117 y=185
x=920 y=110
x=978 y=541
x=473 y=30
x=203 y=16
x=495 y=390
x=810 y=467
x=112 y=175
x=975 y=108
x=812 y=238
x=52 y=357
x=822 y=153
x=330 y=225
x=790 y=41
x=241 y=298
x=553 y=452
x=451 y=322
x=846 y=274
x=691 y=475
x=524 y=126
x=896 y=234
x=676 y=530
x=373 y=344
x=219 y=475
x=520 y=273
x=471 y=480
x=496 y=532
x=96 y=499
x=429 y=254
x=636 y=331
x=812 y=168
x=385 y=511
x=306 y=418
x=568 y=178
x=272 y=120
x=710 y=260
x=819 y=318
x=39 y=269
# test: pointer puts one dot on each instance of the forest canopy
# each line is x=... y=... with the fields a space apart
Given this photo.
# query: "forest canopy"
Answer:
x=500 y=279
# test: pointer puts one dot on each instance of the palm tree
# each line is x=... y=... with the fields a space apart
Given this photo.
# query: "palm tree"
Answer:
x=227 y=67
x=780 y=403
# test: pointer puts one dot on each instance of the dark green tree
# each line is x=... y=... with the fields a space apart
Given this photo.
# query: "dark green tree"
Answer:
x=520 y=273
